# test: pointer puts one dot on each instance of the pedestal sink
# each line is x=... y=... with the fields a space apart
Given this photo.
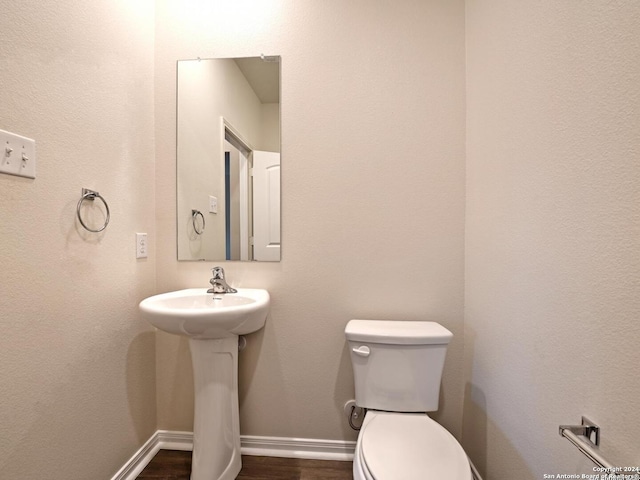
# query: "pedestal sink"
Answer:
x=213 y=323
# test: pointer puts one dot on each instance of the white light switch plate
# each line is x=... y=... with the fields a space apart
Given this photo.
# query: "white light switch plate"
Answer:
x=17 y=155
x=213 y=204
x=141 y=245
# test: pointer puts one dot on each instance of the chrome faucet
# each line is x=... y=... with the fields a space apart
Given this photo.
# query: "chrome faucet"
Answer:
x=218 y=282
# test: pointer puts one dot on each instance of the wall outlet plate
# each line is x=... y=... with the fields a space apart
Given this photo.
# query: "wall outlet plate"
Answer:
x=17 y=155
x=142 y=247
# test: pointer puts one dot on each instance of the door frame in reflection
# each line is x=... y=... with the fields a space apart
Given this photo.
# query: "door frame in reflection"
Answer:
x=244 y=214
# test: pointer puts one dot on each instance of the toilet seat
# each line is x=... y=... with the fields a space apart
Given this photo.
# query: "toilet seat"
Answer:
x=408 y=446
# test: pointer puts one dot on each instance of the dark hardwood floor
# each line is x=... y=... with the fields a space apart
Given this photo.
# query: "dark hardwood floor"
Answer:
x=176 y=465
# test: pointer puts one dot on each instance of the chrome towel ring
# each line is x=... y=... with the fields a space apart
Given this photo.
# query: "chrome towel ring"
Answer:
x=194 y=217
x=91 y=196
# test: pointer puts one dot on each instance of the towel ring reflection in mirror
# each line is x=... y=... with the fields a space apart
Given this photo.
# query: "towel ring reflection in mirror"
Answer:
x=194 y=218
x=91 y=196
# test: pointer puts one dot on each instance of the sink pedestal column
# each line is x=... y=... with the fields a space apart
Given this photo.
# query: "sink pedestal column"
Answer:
x=216 y=423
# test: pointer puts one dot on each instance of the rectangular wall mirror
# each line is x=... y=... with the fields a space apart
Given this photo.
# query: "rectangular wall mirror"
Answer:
x=228 y=159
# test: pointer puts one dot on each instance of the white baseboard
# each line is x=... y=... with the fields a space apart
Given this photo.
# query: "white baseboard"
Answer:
x=250 y=445
x=172 y=440
x=308 y=448
x=140 y=459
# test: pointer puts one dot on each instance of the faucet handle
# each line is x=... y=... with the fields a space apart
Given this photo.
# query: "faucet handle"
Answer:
x=218 y=282
x=218 y=273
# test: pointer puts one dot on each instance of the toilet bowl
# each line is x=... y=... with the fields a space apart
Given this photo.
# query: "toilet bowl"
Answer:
x=405 y=446
x=397 y=367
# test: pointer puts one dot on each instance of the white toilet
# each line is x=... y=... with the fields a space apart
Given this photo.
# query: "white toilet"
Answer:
x=397 y=367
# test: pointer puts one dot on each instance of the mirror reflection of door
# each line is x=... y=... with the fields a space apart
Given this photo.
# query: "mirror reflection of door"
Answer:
x=238 y=214
x=252 y=201
x=232 y=201
x=266 y=206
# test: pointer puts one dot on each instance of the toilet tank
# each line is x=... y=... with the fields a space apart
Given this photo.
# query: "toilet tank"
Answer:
x=397 y=365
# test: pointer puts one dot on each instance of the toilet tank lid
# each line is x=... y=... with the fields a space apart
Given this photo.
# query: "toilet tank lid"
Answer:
x=397 y=332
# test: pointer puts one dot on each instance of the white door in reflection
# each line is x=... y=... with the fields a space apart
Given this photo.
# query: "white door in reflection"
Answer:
x=266 y=206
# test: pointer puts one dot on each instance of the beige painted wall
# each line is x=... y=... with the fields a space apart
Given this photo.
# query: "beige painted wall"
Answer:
x=77 y=380
x=552 y=233
x=368 y=128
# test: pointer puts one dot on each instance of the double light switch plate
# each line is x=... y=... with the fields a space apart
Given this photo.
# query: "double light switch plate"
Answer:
x=17 y=155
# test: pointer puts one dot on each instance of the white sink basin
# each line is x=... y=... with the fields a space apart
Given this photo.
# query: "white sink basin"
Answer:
x=195 y=313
